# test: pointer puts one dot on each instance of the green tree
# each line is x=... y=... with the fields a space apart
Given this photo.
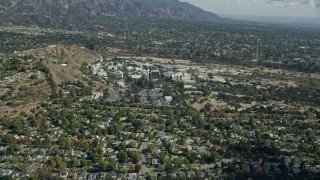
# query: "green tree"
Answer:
x=150 y=148
x=87 y=91
x=103 y=164
x=7 y=139
x=122 y=157
x=108 y=164
x=65 y=142
x=135 y=156
x=137 y=168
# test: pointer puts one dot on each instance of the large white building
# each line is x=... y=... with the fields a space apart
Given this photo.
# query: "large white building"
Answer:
x=168 y=99
x=136 y=77
x=118 y=74
x=180 y=76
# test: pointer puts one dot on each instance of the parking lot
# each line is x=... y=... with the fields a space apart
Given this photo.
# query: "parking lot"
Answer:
x=156 y=96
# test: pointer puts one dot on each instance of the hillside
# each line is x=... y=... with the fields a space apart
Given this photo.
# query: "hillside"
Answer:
x=25 y=90
x=72 y=56
x=55 y=13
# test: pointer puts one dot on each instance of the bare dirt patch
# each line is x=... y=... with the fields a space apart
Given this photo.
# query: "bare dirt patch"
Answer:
x=202 y=101
x=216 y=105
x=4 y=90
x=26 y=95
x=14 y=112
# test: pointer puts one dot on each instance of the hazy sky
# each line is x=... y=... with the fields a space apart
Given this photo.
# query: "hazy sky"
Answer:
x=300 y=8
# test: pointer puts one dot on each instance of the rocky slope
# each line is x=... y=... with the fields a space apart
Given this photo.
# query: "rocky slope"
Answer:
x=51 y=12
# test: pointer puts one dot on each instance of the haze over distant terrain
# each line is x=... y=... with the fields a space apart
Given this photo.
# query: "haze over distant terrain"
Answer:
x=281 y=20
x=292 y=8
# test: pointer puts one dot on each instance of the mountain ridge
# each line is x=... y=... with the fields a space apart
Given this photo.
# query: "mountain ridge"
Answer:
x=47 y=12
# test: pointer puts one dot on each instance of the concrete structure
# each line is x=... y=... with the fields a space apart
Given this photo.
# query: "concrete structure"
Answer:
x=189 y=82
x=168 y=74
x=168 y=98
x=118 y=74
x=147 y=66
x=217 y=79
x=202 y=77
x=155 y=74
x=103 y=74
x=136 y=77
x=180 y=76
x=176 y=76
x=181 y=70
x=189 y=87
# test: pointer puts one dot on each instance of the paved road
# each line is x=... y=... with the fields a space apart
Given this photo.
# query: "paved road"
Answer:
x=143 y=165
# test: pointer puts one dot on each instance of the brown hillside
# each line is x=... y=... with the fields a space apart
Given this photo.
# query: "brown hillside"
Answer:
x=64 y=62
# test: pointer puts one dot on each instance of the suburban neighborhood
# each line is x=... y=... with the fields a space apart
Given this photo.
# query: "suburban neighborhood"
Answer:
x=153 y=118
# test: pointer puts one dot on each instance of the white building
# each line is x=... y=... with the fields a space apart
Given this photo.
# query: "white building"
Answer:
x=168 y=74
x=217 y=79
x=189 y=87
x=136 y=77
x=190 y=82
x=181 y=70
x=118 y=74
x=96 y=68
x=176 y=76
x=168 y=98
x=202 y=77
x=103 y=74
x=180 y=76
